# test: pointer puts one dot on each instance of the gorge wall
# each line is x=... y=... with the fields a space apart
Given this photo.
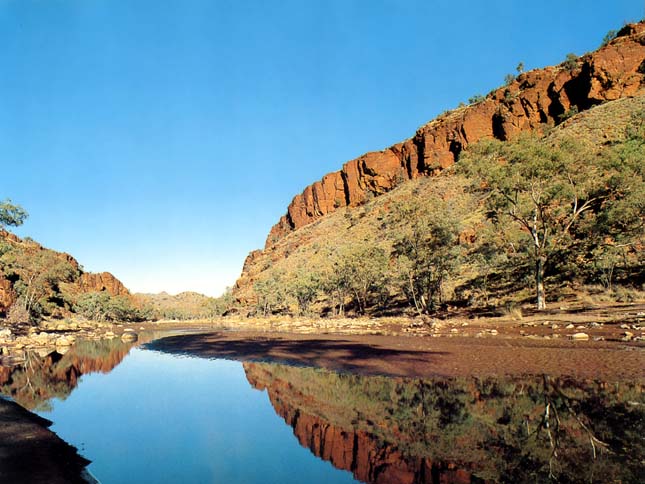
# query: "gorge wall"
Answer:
x=534 y=98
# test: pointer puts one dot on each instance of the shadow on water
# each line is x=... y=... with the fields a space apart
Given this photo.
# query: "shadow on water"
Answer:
x=461 y=430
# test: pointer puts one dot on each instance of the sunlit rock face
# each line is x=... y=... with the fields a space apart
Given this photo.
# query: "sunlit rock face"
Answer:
x=395 y=430
x=532 y=100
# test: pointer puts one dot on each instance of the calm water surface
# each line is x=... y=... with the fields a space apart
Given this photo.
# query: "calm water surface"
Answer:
x=162 y=418
x=144 y=416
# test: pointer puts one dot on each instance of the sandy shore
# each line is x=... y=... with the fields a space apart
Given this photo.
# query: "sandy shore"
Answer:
x=408 y=356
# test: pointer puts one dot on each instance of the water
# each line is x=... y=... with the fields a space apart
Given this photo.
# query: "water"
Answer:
x=161 y=418
x=145 y=416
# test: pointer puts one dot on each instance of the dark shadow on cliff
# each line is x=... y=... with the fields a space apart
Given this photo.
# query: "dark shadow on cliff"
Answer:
x=335 y=354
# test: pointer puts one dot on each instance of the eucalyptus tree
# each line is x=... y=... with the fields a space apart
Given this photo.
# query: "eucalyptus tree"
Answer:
x=541 y=188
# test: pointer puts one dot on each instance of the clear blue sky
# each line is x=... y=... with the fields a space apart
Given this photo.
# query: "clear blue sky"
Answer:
x=160 y=140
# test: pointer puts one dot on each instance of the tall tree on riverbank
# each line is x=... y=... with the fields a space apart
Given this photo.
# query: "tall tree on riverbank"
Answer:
x=551 y=192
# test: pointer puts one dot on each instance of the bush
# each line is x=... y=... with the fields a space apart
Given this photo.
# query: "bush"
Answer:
x=570 y=62
x=101 y=306
x=18 y=314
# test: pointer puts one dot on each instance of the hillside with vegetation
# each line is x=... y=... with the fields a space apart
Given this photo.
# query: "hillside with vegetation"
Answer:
x=551 y=215
x=37 y=283
x=185 y=305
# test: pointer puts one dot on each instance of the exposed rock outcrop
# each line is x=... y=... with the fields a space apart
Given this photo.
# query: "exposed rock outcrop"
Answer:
x=531 y=100
x=102 y=281
x=7 y=294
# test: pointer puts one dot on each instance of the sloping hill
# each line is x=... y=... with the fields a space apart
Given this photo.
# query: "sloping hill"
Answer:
x=535 y=98
x=315 y=254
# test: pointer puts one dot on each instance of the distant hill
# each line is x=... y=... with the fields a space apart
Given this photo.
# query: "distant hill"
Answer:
x=185 y=305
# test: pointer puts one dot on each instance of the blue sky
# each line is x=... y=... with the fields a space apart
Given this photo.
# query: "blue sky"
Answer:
x=160 y=140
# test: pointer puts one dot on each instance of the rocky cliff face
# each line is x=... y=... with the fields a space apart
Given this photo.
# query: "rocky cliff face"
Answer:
x=534 y=98
x=103 y=281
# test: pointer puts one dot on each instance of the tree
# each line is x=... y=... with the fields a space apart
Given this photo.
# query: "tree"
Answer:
x=37 y=274
x=270 y=293
x=101 y=306
x=538 y=188
x=11 y=215
x=428 y=251
x=304 y=287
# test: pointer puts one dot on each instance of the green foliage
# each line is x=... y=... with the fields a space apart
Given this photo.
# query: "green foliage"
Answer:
x=537 y=189
x=477 y=98
x=609 y=36
x=520 y=68
x=509 y=79
x=572 y=111
x=304 y=288
x=428 y=251
x=11 y=215
x=271 y=294
x=570 y=62
x=101 y=306
x=37 y=274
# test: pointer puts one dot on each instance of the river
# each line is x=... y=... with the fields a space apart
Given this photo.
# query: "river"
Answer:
x=146 y=416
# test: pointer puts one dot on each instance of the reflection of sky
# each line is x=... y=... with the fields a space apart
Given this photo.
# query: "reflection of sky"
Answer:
x=161 y=418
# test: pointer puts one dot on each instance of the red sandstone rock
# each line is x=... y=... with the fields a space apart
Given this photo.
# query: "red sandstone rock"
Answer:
x=7 y=294
x=533 y=99
x=103 y=281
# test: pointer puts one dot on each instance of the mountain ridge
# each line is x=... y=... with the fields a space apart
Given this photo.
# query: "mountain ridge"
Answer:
x=532 y=99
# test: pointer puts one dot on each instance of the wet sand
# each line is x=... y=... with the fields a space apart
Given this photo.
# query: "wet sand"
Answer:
x=31 y=453
x=408 y=356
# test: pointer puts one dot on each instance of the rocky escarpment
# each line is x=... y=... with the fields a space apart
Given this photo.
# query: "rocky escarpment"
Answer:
x=534 y=98
x=102 y=281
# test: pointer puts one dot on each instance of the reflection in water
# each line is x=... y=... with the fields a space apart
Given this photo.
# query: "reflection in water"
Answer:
x=394 y=430
x=35 y=381
x=381 y=429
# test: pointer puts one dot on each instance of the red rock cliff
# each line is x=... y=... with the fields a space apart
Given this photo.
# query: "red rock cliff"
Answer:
x=103 y=281
x=534 y=98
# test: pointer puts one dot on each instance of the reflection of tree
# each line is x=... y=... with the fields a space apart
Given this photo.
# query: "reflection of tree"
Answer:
x=506 y=429
x=37 y=380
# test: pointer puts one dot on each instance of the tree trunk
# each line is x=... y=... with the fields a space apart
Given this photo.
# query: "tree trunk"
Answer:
x=539 y=283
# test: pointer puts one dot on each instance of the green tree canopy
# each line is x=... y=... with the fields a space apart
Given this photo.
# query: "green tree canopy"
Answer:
x=11 y=215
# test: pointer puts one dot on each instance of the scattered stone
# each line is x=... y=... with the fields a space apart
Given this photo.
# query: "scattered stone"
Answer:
x=129 y=336
x=599 y=338
x=554 y=326
x=624 y=326
x=569 y=326
x=579 y=336
x=5 y=333
x=493 y=331
x=64 y=341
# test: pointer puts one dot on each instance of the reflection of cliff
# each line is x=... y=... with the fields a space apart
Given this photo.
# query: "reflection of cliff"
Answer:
x=39 y=379
x=461 y=430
